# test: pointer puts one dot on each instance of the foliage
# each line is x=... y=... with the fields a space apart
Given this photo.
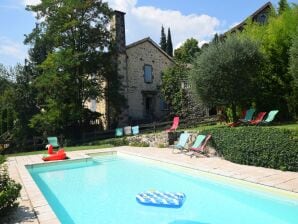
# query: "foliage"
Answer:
x=171 y=87
x=70 y=61
x=293 y=71
x=282 y=6
x=169 y=49
x=259 y=146
x=275 y=39
x=187 y=52
x=163 y=39
x=9 y=191
x=224 y=73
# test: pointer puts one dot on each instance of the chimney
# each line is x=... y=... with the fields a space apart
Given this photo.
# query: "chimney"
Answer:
x=118 y=29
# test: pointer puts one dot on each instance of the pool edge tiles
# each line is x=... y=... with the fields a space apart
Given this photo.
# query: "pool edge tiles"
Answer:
x=261 y=188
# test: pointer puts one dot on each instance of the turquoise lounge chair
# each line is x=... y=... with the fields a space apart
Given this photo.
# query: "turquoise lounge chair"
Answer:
x=248 y=116
x=269 y=118
x=135 y=130
x=181 y=145
x=53 y=141
x=119 y=132
x=199 y=144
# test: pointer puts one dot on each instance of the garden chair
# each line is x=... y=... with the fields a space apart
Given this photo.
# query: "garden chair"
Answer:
x=258 y=119
x=135 y=130
x=174 y=125
x=200 y=144
x=248 y=116
x=181 y=145
x=119 y=132
x=236 y=123
x=53 y=141
x=127 y=130
x=269 y=118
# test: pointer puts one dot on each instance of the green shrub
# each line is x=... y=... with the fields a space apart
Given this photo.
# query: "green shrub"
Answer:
x=259 y=146
x=9 y=190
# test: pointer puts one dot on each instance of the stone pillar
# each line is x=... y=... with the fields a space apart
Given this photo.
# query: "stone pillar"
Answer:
x=118 y=31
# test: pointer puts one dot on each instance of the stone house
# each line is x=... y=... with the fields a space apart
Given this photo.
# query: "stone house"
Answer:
x=140 y=65
x=260 y=16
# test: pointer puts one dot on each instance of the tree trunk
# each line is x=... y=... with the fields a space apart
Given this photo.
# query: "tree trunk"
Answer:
x=234 y=112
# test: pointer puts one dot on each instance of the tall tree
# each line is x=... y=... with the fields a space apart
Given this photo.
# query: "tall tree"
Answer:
x=74 y=64
x=169 y=44
x=275 y=40
x=186 y=53
x=282 y=6
x=163 y=39
x=224 y=73
x=293 y=70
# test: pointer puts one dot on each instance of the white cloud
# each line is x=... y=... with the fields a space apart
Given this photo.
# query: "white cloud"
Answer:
x=12 y=49
x=144 y=21
x=30 y=2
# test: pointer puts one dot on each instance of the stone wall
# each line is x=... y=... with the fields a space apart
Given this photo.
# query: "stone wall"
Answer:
x=161 y=140
x=139 y=55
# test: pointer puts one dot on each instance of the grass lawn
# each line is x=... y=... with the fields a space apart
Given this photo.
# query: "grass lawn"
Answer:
x=108 y=143
x=67 y=149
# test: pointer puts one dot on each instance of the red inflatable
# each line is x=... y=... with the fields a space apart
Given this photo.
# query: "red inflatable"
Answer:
x=60 y=155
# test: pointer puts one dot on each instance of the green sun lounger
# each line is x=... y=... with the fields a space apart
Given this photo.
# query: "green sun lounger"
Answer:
x=53 y=141
x=269 y=118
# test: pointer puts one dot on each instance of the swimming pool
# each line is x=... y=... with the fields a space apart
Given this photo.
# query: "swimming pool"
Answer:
x=103 y=190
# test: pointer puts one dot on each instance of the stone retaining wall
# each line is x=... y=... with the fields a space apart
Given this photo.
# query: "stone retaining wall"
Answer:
x=161 y=140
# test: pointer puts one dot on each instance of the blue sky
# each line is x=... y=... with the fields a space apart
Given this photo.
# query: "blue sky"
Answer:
x=199 y=19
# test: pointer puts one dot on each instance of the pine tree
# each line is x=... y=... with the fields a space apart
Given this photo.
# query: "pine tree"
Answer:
x=282 y=6
x=169 y=44
x=163 y=40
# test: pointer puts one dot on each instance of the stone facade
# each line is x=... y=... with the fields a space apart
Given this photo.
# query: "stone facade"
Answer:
x=144 y=99
x=260 y=16
x=141 y=90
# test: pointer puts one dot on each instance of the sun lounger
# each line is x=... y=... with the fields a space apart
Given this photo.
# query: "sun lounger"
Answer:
x=200 y=144
x=181 y=145
x=269 y=118
x=53 y=141
x=174 y=125
x=119 y=132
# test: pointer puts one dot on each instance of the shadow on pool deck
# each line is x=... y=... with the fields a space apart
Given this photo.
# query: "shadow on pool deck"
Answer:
x=21 y=214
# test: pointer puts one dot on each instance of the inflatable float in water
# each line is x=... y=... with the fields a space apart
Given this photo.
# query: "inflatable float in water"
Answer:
x=161 y=199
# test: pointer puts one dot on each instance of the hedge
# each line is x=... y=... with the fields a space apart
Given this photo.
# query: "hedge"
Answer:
x=259 y=146
x=9 y=190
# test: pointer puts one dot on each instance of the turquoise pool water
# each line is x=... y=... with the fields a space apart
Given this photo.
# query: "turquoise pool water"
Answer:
x=102 y=190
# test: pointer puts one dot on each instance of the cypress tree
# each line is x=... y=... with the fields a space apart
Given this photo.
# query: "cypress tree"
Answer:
x=169 y=44
x=163 y=40
x=282 y=6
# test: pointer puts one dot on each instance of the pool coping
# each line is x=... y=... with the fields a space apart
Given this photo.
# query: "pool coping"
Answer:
x=45 y=215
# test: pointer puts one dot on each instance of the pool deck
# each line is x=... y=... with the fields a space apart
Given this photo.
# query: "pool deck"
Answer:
x=35 y=209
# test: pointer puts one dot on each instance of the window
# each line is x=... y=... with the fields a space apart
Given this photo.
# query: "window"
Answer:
x=148 y=78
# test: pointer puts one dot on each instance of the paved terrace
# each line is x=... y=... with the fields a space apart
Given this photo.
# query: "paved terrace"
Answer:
x=35 y=209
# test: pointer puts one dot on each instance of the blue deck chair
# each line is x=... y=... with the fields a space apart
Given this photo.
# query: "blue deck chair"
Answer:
x=181 y=145
x=270 y=117
x=53 y=141
x=119 y=132
x=135 y=130
x=248 y=116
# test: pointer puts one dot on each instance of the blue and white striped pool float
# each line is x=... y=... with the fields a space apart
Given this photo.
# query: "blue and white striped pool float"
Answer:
x=161 y=199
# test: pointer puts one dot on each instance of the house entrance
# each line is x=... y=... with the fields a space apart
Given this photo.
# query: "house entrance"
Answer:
x=149 y=104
